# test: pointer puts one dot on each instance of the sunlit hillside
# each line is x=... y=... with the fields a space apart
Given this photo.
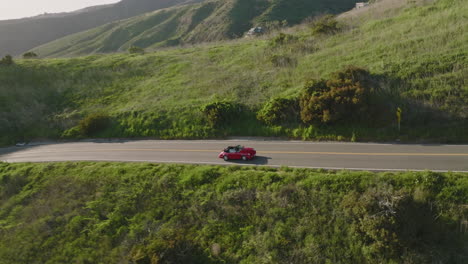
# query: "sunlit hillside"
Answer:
x=20 y=35
x=415 y=55
x=208 y=21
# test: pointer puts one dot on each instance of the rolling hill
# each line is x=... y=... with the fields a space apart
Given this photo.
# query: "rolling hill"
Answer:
x=415 y=53
x=20 y=35
x=189 y=24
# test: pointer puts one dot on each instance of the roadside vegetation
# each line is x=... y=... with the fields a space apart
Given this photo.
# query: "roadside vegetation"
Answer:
x=153 y=213
x=298 y=83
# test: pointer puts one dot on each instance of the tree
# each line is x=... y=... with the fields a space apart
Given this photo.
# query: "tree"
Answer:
x=279 y=111
x=325 y=25
x=346 y=96
x=94 y=123
x=136 y=50
x=29 y=55
x=220 y=112
x=7 y=60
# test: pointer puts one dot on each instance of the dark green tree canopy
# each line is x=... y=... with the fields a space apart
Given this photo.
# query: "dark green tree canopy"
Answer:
x=344 y=97
x=136 y=50
x=29 y=55
x=7 y=60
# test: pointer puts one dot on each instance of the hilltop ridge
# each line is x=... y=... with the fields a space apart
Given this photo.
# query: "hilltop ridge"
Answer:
x=211 y=20
x=20 y=35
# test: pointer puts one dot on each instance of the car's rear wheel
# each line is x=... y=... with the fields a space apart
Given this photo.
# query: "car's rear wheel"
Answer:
x=244 y=158
x=225 y=157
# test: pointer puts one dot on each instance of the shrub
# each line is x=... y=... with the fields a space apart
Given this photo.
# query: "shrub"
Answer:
x=325 y=25
x=74 y=132
x=391 y=223
x=29 y=55
x=311 y=103
x=345 y=96
x=275 y=25
x=94 y=123
x=282 y=39
x=7 y=60
x=279 y=111
x=220 y=112
x=136 y=50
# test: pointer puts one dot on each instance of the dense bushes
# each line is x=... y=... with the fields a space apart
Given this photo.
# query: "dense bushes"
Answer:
x=153 y=213
x=344 y=97
x=325 y=25
x=91 y=125
x=219 y=113
x=282 y=39
x=279 y=111
x=136 y=50
x=29 y=55
x=94 y=123
x=6 y=61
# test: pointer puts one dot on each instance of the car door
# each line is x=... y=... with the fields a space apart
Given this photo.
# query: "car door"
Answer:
x=231 y=153
x=237 y=154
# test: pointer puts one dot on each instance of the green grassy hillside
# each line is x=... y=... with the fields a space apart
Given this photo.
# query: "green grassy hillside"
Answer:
x=149 y=213
x=208 y=21
x=416 y=55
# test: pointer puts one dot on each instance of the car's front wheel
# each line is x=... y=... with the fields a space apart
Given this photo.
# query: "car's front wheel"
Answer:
x=225 y=157
x=244 y=158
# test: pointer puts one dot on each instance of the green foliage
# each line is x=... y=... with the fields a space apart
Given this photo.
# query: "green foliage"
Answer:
x=136 y=50
x=345 y=97
x=160 y=94
x=282 y=39
x=220 y=113
x=275 y=25
x=156 y=213
x=325 y=25
x=279 y=111
x=92 y=124
x=73 y=133
x=29 y=55
x=6 y=61
x=392 y=221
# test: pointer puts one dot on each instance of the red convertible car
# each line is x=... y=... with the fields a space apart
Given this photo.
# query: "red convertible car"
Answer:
x=237 y=152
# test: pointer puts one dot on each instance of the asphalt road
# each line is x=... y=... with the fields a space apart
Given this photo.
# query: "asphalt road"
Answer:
x=353 y=156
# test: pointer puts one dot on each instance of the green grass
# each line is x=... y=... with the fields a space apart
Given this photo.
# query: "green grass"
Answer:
x=419 y=54
x=152 y=213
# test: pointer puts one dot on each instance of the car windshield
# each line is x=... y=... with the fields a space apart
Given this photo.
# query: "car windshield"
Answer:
x=232 y=149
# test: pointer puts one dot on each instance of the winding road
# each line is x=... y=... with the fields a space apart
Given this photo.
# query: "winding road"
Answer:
x=352 y=156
